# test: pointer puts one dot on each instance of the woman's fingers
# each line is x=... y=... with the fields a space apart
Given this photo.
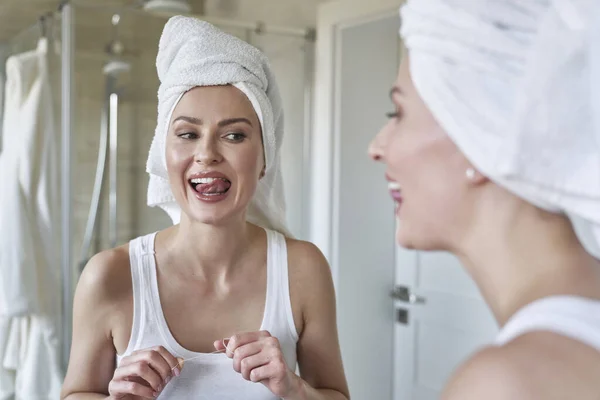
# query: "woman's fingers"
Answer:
x=220 y=345
x=261 y=373
x=163 y=362
x=243 y=352
x=170 y=358
x=242 y=339
x=248 y=364
x=120 y=387
x=143 y=371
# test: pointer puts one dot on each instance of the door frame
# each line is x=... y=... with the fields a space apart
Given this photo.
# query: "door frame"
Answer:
x=325 y=139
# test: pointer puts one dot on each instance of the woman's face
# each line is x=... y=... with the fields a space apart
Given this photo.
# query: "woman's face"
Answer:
x=214 y=153
x=426 y=171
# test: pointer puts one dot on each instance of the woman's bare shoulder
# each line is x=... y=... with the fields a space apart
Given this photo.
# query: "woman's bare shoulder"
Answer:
x=534 y=366
x=306 y=254
x=107 y=276
x=310 y=279
x=308 y=265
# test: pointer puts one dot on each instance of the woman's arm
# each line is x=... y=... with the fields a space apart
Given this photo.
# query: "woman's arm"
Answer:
x=92 y=360
x=319 y=356
x=103 y=307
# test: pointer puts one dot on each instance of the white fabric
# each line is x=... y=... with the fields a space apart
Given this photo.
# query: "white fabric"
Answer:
x=194 y=53
x=29 y=200
x=577 y=318
x=29 y=270
x=210 y=376
x=7 y=376
x=516 y=85
x=3 y=51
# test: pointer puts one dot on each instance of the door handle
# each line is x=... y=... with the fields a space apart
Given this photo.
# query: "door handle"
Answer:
x=403 y=293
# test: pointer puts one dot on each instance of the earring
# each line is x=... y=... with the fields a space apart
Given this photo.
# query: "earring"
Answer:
x=470 y=173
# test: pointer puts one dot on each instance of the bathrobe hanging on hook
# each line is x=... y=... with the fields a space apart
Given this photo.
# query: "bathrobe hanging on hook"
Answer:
x=29 y=257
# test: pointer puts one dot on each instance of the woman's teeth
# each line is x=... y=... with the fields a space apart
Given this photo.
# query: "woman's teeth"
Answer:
x=394 y=186
x=210 y=186
x=203 y=181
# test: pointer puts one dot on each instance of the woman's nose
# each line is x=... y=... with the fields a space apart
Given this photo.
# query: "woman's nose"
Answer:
x=375 y=150
x=207 y=152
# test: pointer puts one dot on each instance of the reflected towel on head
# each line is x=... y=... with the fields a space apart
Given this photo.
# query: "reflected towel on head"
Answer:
x=516 y=85
x=195 y=53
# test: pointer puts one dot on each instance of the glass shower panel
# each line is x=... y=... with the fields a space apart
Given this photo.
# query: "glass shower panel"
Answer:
x=115 y=116
x=290 y=59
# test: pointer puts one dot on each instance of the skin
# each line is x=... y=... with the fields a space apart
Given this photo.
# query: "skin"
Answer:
x=515 y=252
x=211 y=271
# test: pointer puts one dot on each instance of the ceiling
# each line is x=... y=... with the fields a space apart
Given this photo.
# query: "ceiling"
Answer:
x=19 y=15
x=139 y=32
x=16 y=16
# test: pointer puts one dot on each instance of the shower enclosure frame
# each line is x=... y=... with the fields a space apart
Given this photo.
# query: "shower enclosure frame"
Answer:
x=67 y=118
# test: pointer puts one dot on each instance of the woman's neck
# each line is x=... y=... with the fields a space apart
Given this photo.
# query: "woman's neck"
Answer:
x=208 y=252
x=519 y=253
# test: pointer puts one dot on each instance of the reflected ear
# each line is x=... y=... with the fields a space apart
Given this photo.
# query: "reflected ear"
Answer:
x=475 y=177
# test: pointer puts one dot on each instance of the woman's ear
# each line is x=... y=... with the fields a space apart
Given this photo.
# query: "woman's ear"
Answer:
x=475 y=177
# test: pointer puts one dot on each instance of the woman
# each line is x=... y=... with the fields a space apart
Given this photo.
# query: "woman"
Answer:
x=492 y=148
x=180 y=311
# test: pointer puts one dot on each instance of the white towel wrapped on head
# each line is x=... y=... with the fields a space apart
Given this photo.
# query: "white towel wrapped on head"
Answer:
x=516 y=85
x=195 y=53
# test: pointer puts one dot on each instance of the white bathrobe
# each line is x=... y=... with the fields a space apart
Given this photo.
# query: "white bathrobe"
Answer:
x=2 y=77
x=29 y=231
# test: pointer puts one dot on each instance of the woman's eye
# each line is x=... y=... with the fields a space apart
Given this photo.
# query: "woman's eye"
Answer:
x=394 y=114
x=235 y=137
x=188 y=135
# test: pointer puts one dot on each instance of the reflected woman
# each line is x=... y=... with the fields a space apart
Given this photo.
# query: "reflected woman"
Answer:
x=492 y=152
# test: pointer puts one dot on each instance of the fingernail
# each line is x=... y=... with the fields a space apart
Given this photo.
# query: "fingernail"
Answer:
x=167 y=380
x=160 y=388
x=176 y=371
x=155 y=394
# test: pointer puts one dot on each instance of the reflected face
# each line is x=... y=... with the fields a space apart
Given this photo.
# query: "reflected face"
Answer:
x=214 y=153
x=425 y=170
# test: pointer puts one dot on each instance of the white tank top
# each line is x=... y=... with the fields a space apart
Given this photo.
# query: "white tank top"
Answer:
x=577 y=318
x=210 y=376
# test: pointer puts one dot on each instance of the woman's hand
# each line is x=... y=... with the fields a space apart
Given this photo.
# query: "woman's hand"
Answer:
x=144 y=374
x=258 y=357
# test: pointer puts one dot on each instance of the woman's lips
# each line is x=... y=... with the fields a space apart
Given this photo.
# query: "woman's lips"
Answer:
x=395 y=191
x=210 y=186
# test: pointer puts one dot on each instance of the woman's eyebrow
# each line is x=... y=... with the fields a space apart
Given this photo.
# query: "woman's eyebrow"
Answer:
x=191 y=120
x=230 y=121
x=225 y=122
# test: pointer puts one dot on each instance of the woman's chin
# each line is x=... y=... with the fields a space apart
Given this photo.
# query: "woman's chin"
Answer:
x=408 y=239
x=403 y=237
x=196 y=213
x=404 y=240
x=217 y=214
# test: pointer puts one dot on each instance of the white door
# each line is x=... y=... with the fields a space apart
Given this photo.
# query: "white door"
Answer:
x=392 y=349
x=440 y=320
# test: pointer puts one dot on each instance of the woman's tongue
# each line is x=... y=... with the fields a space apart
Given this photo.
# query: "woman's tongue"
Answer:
x=217 y=186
